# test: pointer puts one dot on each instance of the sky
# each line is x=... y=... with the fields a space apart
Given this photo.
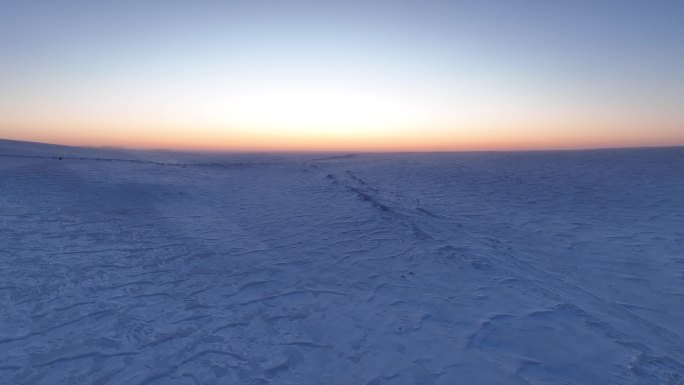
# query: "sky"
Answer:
x=367 y=75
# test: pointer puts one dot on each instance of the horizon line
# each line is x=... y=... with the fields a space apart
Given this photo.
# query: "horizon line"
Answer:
x=341 y=151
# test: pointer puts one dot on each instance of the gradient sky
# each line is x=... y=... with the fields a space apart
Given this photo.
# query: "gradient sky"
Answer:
x=343 y=75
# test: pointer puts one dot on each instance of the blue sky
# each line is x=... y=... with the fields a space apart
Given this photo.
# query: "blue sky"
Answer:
x=557 y=74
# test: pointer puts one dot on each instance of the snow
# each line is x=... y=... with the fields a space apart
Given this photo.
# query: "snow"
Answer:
x=132 y=267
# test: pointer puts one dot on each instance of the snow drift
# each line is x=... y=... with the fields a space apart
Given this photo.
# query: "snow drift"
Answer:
x=124 y=267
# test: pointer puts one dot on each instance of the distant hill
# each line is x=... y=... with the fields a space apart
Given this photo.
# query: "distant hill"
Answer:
x=17 y=147
x=23 y=148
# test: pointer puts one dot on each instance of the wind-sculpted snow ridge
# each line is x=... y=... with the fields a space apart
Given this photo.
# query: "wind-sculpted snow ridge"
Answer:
x=489 y=268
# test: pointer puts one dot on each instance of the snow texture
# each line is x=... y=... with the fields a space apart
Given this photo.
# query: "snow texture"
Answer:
x=131 y=267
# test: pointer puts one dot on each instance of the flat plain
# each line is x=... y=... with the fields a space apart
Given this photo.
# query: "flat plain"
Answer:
x=153 y=267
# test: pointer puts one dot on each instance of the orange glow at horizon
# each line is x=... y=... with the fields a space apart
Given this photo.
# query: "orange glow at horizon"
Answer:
x=383 y=140
x=341 y=117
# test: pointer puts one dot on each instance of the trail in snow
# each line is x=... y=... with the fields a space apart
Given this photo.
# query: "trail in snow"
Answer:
x=490 y=268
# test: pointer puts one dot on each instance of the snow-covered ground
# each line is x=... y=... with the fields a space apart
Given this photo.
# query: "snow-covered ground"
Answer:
x=122 y=267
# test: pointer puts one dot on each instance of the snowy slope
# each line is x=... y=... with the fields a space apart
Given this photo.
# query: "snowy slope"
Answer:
x=32 y=149
x=472 y=268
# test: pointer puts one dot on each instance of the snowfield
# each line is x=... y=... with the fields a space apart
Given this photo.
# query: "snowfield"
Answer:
x=133 y=267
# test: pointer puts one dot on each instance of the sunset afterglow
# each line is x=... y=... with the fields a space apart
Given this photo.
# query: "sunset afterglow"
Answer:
x=366 y=76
